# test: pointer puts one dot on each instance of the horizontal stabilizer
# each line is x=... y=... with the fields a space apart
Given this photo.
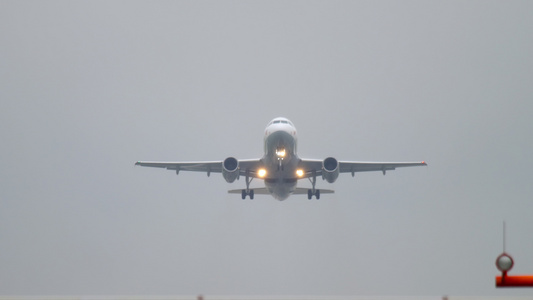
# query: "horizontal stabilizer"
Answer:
x=257 y=191
x=303 y=191
x=264 y=191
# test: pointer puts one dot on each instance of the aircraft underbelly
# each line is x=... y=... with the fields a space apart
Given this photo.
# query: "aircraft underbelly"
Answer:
x=280 y=190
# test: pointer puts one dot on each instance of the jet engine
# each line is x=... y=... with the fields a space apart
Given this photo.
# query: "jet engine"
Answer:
x=330 y=169
x=230 y=169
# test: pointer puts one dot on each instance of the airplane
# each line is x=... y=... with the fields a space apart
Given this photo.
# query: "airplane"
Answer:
x=280 y=167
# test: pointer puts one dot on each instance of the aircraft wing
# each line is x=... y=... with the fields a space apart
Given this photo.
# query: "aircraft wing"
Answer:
x=352 y=166
x=246 y=165
x=198 y=166
x=314 y=166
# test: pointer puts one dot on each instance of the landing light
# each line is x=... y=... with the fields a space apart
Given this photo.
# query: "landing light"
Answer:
x=300 y=172
x=280 y=152
x=261 y=173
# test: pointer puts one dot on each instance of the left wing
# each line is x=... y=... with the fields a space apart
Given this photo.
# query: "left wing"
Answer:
x=249 y=166
x=353 y=166
x=313 y=167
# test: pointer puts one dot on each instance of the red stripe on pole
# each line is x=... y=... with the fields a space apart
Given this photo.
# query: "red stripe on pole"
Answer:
x=514 y=281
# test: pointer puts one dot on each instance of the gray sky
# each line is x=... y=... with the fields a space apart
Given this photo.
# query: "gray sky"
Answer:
x=88 y=88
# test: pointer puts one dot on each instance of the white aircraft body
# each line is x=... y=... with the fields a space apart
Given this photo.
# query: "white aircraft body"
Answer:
x=280 y=167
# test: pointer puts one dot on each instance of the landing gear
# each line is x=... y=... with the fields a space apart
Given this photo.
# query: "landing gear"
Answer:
x=280 y=152
x=250 y=193
x=310 y=194
x=313 y=192
x=247 y=191
x=280 y=164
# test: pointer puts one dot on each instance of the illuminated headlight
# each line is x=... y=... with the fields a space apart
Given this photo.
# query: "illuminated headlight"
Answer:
x=261 y=173
x=280 y=152
x=299 y=172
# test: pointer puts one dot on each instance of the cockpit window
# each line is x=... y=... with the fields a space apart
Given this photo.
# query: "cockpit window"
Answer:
x=280 y=122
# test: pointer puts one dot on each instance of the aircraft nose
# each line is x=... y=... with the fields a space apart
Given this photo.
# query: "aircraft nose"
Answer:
x=281 y=127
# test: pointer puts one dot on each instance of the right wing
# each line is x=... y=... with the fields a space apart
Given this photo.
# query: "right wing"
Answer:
x=195 y=166
x=246 y=165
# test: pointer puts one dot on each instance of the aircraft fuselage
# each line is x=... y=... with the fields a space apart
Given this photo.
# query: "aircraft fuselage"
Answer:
x=280 y=158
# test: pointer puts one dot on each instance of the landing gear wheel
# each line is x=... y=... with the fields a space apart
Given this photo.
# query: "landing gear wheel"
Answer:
x=310 y=194
x=249 y=193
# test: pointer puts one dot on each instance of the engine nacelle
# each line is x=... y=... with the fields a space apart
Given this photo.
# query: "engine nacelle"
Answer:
x=330 y=169
x=230 y=169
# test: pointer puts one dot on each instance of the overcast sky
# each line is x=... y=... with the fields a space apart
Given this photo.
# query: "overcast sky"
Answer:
x=89 y=88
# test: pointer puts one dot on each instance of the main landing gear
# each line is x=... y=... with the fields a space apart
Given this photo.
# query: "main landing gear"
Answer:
x=313 y=192
x=310 y=194
x=247 y=191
